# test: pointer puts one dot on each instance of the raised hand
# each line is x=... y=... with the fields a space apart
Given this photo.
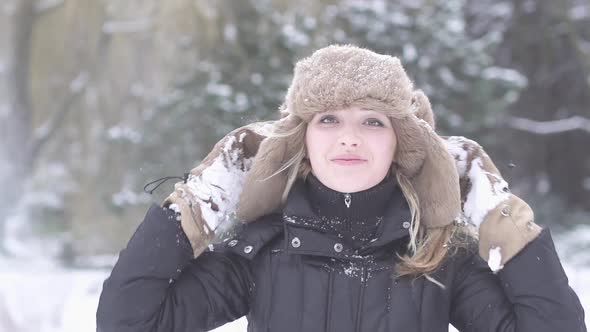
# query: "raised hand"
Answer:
x=505 y=223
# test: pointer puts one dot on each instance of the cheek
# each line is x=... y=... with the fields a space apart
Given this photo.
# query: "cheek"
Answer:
x=312 y=143
x=318 y=145
x=386 y=146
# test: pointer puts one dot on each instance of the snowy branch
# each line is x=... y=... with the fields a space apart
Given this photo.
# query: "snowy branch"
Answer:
x=138 y=25
x=79 y=83
x=44 y=6
x=550 y=127
x=46 y=130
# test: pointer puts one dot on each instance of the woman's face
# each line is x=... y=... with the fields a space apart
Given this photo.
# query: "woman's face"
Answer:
x=350 y=149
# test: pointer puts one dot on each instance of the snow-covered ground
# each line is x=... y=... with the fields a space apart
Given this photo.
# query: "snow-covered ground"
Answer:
x=41 y=297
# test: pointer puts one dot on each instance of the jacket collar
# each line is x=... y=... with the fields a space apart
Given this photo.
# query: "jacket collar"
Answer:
x=250 y=238
x=303 y=234
x=367 y=205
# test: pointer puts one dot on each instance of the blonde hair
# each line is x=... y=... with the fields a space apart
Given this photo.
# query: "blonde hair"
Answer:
x=428 y=247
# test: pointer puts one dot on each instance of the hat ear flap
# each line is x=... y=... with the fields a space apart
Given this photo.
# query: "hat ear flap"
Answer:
x=262 y=189
x=261 y=192
x=437 y=184
x=423 y=108
x=411 y=147
x=422 y=157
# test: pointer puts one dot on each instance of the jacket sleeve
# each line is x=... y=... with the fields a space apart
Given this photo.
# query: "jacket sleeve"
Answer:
x=530 y=294
x=156 y=285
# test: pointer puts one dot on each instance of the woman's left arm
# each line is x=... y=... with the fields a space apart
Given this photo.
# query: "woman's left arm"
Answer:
x=529 y=290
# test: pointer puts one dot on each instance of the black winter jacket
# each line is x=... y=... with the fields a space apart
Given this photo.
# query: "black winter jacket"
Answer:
x=285 y=275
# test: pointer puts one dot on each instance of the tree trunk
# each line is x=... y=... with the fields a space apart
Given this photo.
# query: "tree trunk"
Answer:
x=15 y=125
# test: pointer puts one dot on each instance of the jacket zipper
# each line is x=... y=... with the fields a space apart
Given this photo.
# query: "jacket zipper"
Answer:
x=347 y=200
x=329 y=304
x=361 y=297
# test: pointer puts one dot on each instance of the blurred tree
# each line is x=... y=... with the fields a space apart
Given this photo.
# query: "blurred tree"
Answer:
x=67 y=173
x=116 y=39
x=241 y=69
x=547 y=41
x=22 y=138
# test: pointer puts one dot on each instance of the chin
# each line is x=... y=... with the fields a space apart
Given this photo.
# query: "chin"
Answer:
x=348 y=186
x=348 y=181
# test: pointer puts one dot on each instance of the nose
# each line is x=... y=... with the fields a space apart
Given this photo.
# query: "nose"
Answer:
x=349 y=138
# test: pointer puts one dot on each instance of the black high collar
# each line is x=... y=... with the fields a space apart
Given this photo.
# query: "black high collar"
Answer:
x=369 y=203
x=372 y=218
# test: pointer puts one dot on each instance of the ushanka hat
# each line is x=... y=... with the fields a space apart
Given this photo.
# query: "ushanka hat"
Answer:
x=234 y=182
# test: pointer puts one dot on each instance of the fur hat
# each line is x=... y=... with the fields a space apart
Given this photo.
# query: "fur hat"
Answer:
x=332 y=78
x=337 y=77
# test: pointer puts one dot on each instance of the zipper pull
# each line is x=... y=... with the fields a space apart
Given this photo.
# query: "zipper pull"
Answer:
x=347 y=200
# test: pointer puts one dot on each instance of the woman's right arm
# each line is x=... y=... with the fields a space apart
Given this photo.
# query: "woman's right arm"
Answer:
x=156 y=285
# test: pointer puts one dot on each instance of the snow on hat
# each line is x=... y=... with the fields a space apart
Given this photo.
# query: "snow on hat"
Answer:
x=336 y=76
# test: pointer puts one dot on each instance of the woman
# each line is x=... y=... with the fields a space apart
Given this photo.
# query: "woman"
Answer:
x=357 y=217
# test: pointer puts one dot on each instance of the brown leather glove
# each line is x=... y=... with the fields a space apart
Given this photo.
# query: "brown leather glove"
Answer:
x=188 y=210
x=206 y=203
x=505 y=231
x=505 y=223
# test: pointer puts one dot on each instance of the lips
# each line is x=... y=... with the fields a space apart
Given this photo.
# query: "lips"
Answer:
x=348 y=159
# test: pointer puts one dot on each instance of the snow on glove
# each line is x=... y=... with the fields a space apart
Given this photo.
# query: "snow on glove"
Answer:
x=505 y=231
x=505 y=222
x=206 y=203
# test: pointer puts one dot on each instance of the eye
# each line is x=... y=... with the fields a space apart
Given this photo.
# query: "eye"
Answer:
x=328 y=119
x=374 y=122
